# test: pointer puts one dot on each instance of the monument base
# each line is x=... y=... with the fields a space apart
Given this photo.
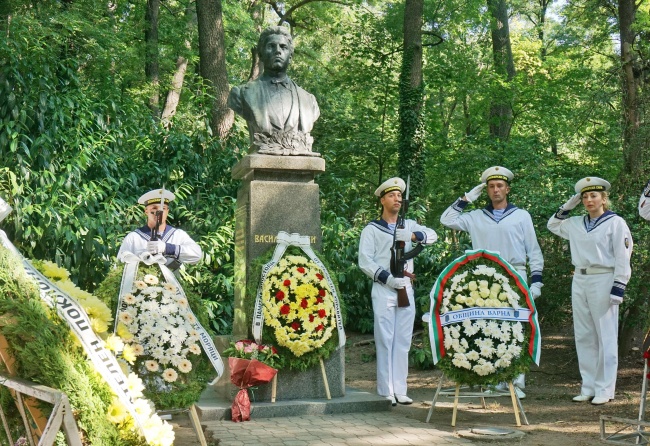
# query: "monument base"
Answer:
x=291 y=384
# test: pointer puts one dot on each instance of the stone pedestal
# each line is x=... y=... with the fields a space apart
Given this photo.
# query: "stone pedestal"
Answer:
x=277 y=193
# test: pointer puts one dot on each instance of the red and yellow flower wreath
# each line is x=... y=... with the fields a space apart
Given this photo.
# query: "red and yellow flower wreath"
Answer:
x=298 y=305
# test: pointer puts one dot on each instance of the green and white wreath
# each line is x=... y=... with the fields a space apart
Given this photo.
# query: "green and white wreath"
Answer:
x=483 y=326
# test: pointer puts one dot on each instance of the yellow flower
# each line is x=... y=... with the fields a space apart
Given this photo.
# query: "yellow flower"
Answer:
x=98 y=325
x=123 y=332
x=116 y=412
x=72 y=290
x=128 y=354
x=114 y=343
x=53 y=271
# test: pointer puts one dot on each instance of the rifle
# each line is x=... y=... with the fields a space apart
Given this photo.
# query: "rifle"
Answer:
x=398 y=257
x=155 y=232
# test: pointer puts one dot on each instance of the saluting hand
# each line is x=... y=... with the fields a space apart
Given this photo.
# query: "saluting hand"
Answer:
x=572 y=202
x=473 y=195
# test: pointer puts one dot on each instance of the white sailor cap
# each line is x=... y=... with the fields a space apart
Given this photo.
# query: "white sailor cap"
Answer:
x=589 y=184
x=497 y=173
x=390 y=185
x=154 y=196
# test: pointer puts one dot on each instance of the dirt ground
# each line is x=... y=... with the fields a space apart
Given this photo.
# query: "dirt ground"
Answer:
x=554 y=419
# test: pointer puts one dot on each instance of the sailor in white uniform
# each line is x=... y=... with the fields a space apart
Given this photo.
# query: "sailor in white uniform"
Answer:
x=501 y=227
x=601 y=246
x=644 y=202
x=393 y=325
x=175 y=244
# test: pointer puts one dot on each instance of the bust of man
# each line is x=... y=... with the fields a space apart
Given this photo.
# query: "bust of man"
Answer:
x=279 y=113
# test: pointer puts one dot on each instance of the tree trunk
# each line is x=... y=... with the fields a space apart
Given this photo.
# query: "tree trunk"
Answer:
x=504 y=66
x=632 y=148
x=151 y=66
x=212 y=66
x=174 y=93
x=411 y=91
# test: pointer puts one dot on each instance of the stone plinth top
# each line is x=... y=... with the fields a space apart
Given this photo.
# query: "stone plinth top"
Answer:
x=270 y=163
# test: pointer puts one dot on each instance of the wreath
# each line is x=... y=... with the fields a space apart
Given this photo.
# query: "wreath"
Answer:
x=298 y=305
x=484 y=326
x=301 y=289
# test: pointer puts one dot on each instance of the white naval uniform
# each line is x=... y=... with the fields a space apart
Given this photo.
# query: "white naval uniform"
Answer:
x=644 y=202
x=601 y=257
x=179 y=246
x=513 y=236
x=393 y=325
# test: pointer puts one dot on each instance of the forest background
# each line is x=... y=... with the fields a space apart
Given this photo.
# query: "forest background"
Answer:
x=101 y=102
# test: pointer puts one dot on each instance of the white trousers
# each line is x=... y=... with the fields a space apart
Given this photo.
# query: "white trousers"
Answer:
x=393 y=333
x=595 y=326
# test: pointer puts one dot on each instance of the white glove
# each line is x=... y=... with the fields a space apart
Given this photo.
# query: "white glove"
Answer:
x=572 y=202
x=472 y=195
x=615 y=300
x=156 y=247
x=396 y=282
x=536 y=290
x=402 y=235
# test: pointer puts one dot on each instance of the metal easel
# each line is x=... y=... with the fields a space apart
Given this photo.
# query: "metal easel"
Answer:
x=629 y=431
x=467 y=392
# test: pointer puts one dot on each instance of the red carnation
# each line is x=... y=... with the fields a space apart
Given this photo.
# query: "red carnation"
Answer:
x=287 y=282
x=319 y=300
x=285 y=309
x=320 y=276
x=311 y=318
x=295 y=326
x=304 y=303
x=322 y=313
x=279 y=295
x=301 y=270
x=321 y=292
x=319 y=327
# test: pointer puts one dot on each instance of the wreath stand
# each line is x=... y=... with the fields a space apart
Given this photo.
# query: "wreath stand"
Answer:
x=639 y=434
x=274 y=383
x=467 y=392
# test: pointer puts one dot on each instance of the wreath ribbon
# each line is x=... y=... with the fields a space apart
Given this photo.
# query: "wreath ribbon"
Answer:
x=436 y=334
x=284 y=240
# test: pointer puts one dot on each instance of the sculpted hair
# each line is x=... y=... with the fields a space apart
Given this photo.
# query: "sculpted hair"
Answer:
x=273 y=30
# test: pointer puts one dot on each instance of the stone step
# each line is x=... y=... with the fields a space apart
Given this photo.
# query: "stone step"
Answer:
x=211 y=406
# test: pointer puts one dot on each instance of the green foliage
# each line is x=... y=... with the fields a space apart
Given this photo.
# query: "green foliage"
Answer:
x=45 y=353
